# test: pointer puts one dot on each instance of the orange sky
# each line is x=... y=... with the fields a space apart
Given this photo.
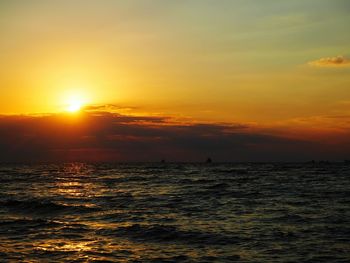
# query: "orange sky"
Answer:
x=281 y=68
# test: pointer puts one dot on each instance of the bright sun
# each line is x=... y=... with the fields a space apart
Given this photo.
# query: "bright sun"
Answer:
x=74 y=104
x=74 y=100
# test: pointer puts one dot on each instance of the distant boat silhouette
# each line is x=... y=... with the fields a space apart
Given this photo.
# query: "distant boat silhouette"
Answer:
x=162 y=161
x=208 y=160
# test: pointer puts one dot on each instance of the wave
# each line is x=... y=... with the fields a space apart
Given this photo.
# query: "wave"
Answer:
x=28 y=222
x=22 y=226
x=169 y=233
x=236 y=171
x=219 y=186
x=42 y=207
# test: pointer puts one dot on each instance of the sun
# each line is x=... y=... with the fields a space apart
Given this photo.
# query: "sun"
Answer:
x=75 y=104
x=74 y=100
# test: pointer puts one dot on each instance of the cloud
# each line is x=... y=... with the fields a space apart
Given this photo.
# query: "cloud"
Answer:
x=106 y=136
x=339 y=61
x=109 y=108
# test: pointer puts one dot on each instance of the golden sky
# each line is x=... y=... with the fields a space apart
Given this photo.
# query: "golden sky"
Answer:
x=276 y=65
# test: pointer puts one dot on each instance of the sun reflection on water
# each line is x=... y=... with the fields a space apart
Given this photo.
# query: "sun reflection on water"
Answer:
x=74 y=181
x=65 y=246
x=100 y=249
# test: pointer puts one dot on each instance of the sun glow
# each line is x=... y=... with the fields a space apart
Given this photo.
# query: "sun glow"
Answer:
x=74 y=106
x=74 y=103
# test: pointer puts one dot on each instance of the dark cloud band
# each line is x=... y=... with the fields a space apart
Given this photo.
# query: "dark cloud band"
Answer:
x=105 y=136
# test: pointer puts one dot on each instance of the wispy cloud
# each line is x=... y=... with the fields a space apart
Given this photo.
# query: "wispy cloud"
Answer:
x=108 y=107
x=338 y=61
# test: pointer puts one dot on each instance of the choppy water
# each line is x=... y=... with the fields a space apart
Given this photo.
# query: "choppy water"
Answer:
x=175 y=213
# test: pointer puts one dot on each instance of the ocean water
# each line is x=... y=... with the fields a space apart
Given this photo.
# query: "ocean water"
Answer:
x=175 y=213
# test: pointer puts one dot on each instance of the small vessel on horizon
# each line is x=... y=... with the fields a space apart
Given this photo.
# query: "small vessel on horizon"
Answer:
x=208 y=160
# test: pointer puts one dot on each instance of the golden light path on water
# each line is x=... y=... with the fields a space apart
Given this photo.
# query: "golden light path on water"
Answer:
x=74 y=183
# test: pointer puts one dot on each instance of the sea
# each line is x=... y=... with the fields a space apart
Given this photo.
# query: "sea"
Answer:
x=175 y=212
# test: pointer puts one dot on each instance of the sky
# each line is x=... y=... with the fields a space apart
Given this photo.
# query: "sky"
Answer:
x=270 y=69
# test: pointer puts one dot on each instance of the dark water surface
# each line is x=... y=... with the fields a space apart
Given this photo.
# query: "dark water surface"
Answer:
x=175 y=213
